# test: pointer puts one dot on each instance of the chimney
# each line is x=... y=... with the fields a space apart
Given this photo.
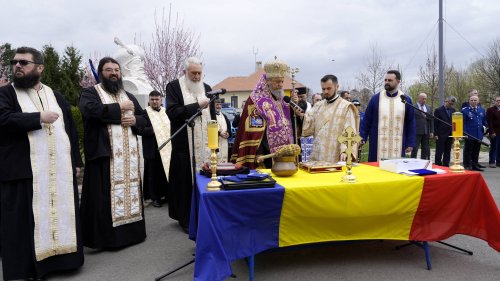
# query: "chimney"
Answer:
x=258 y=66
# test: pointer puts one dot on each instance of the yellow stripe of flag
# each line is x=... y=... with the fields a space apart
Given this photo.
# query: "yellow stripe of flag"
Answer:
x=318 y=207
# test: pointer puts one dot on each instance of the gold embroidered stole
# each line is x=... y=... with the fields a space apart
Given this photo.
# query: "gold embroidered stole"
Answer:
x=53 y=190
x=330 y=120
x=200 y=127
x=126 y=199
x=223 y=146
x=161 y=127
x=391 y=114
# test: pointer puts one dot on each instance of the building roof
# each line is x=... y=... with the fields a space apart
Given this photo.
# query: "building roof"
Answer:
x=248 y=83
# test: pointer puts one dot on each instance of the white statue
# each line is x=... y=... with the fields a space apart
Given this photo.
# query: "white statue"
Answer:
x=131 y=59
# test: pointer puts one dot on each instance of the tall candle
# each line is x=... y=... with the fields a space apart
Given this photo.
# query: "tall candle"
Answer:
x=457 y=120
x=213 y=134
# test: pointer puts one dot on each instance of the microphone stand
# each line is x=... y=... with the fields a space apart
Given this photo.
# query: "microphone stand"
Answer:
x=403 y=100
x=189 y=122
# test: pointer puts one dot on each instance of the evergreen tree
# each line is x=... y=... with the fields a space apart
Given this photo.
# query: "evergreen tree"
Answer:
x=6 y=54
x=52 y=74
x=71 y=74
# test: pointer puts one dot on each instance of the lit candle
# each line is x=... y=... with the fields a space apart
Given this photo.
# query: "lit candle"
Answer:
x=457 y=120
x=213 y=134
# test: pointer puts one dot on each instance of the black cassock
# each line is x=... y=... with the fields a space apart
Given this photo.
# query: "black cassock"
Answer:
x=16 y=191
x=181 y=184
x=95 y=206
x=155 y=180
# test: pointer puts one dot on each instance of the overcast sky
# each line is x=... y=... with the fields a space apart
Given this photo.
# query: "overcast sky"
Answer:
x=306 y=34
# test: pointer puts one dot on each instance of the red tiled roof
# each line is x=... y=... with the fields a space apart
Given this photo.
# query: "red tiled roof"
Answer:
x=248 y=83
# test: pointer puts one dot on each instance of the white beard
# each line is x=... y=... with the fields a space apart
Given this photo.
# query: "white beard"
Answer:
x=278 y=93
x=191 y=93
x=195 y=88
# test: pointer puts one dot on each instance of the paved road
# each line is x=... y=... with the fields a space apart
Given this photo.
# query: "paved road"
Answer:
x=167 y=247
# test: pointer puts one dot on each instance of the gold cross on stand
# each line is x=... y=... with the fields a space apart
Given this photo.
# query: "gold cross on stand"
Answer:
x=349 y=138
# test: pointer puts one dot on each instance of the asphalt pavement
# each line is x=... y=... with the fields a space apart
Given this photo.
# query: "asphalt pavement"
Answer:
x=167 y=247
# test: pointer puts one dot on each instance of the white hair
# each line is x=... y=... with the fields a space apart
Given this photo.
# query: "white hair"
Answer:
x=451 y=98
x=192 y=60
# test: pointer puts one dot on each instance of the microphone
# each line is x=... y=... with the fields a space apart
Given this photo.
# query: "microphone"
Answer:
x=403 y=99
x=215 y=92
x=294 y=105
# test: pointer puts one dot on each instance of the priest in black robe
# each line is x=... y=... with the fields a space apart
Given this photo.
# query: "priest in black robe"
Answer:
x=111 y=204
x=156 y=163
x=38 y=187
x=185 y=96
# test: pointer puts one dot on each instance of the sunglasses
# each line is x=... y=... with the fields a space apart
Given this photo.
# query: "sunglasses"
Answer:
x=21 y=62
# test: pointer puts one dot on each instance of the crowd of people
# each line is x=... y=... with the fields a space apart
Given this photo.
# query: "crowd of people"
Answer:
x=44 y=225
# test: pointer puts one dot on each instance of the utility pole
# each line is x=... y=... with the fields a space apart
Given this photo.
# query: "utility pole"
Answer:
x=441 y=55
x=255 y=52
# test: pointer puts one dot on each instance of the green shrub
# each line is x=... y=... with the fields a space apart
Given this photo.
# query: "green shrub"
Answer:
x=77 y=117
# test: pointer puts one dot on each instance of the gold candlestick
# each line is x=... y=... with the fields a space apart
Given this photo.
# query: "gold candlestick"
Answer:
x=214 y=184
x=213 y=144
x=457 y=120
x=456 y=167
x=349 y=138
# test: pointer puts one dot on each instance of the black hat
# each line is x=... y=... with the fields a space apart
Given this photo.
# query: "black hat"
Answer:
x=356 y=103
x=301 y=90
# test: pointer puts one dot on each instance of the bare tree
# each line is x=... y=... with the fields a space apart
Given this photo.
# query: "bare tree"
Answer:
x=171 y=45
x=429 y=77
x=88 y=79
x=458 y=83
x=487 y=71
x=363 y=96
x=373 y=76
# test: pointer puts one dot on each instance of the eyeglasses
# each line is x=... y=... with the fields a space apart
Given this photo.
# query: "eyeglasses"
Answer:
x=21 y=62
x=111 y=70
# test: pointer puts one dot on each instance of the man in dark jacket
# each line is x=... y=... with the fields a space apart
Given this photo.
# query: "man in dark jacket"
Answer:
x=424 y=128
x=493 y=119
x=442 y=132
x=474 y=123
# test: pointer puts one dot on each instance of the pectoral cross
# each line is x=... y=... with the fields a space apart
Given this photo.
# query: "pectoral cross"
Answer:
x=49 y=128
x=349 y=138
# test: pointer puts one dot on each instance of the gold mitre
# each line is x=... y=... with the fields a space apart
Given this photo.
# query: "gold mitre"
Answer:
x=276 y=69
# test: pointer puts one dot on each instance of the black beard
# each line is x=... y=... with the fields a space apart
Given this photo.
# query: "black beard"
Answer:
x=303 y=105
x=112 y=86
x=388 y=88
x=28 y=81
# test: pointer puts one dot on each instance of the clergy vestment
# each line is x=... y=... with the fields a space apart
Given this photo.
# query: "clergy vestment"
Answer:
x=38 y=190
x=264 y=127
x=389 y=125
x=156 y=163
x=224 y=126
x=111 y=203
x=326 y=121
x=181 y=105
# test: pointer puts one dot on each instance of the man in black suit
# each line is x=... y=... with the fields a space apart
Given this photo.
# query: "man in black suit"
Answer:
x=424 y=128
x=443 y=131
